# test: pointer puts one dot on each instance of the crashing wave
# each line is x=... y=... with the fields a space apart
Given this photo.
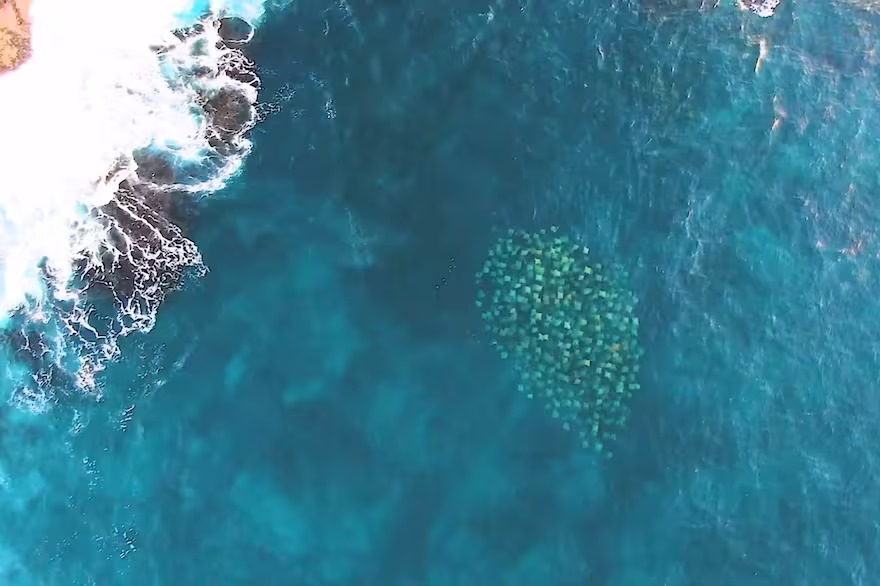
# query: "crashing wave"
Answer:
x=126 y=253
x=763 y=8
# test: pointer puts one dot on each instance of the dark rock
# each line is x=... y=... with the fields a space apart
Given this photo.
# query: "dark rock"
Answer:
x=235 y=32
x=229 y=113
x=228 y=110
x=154 y=169
x=141 y=234
x=147 y=252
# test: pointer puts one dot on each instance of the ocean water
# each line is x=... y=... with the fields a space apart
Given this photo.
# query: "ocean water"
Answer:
x=301 y=392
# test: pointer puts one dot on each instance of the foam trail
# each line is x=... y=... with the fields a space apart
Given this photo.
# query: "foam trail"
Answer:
x=113 y=118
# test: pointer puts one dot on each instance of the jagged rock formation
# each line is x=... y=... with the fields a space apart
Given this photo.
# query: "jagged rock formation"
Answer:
x=147 y=252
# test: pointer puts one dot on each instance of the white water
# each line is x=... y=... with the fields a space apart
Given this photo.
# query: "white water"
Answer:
x=93 y=93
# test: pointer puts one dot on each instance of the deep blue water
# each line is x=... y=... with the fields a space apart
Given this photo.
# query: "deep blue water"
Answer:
x=322 y=407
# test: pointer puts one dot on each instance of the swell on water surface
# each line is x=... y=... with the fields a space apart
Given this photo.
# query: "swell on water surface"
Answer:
x=124 y=113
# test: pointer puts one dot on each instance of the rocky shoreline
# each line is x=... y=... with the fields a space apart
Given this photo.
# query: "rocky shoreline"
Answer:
x=148 y=252
x=147 y=217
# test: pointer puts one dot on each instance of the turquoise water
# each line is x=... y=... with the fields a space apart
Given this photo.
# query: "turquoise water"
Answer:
x=322 y=407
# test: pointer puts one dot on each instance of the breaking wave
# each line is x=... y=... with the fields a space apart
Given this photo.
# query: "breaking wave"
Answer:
x=123 y=114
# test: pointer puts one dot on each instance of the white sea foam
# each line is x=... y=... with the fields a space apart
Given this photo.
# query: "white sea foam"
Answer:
x=94 y=93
